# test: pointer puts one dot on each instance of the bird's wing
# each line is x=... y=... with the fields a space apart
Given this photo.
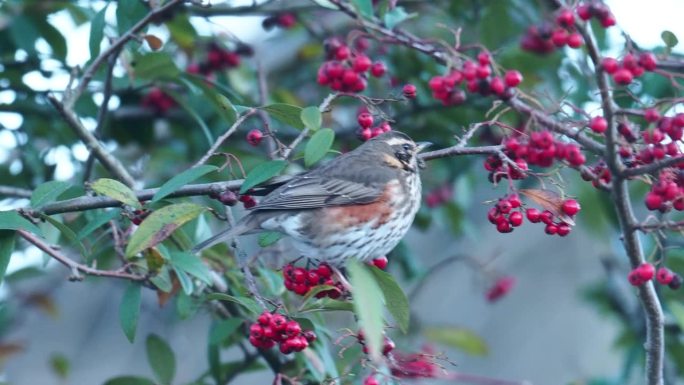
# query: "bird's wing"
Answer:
x=311 y=191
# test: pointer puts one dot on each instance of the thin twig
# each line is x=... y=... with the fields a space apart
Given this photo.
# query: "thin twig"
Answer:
x=653 y=167
x=15 y=192
x=75 y=266
x=323 y=107
x=273 y=145
x=219 y=141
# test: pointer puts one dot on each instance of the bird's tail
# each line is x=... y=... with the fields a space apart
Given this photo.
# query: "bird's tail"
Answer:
x=240 y=228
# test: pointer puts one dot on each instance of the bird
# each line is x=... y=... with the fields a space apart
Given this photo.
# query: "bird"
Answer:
x=358 y=205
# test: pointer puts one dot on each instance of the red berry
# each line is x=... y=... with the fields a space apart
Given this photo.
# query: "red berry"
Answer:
x=546 y=217
x=256 y=330
x=598 y=124
x=309 y=335
x=264 y=319
x=623 y=76
x=278 y=322
x=533 y=215
x=559 y=37
x=254 y=137
x=575 y=40
x=515 y=219
x=676 y=282
x=484 y=59
x=570 y=207
x=497 y=85
x=651 y=115
x=646 y=271
x=608 y=20
x=504 y=206
x=409 y=91
x=286 y=20
x=312 y=278
x=371 y=380
x=514 y=200
x=380 y=263
x=324 y=271
x=483 y=72
x=634 y=278
x=664 y=276
x=500 y=288
x=388 y=346
x=364 y=134
x=584 y=12
x=365 y=120
x=653 y=201
x=551 y=229
x=292 y=328
x=565 y=18
x=648 y=61
x=342 y=52
x=361 y=63
x=378 y=69
x=610 y=65
x=563 y=230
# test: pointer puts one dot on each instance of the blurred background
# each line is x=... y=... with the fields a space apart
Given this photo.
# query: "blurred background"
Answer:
x=568 y=319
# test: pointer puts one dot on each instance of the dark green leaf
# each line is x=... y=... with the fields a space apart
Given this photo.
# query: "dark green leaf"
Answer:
x=100 y=219
x=48 y=192
x=117 y=191
x=97 y=32
x=395 y=299
x=192 y=265
x=318 y=146
x=11 y=220
x=396 y=16
x=67 y=232
x=129 y=12
x=163 y=280
x=669 y=38
x=326 y=304
x=7 y=238
x=268 y=238
x=181 y=180
x=54 y=38
x=24 y=33
x=262 y=173
x=129 y=380
x=247 y=303
x=191 y=111
x=186 y=306
x=221 y=103
x=364 y=7
x=182 y=31
x=286 y=113
x=223 y=329
x=160 y=224
x=367 y=299
x=129 y=310
x=459 y=338
x=184 y=279
x=156 y=65
x=311 y=117
x=161 y=359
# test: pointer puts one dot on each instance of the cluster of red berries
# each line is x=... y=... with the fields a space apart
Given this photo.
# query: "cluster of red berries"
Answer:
x=219 y=58
x=562 y=32
x=387 y=344
x=347 y=70
x=300 y=280
x=501 y=287
x=254 y=137
x=366 y=131
x=601 y=174
x=654 y=139
x=158 y=100
x=439 y=196
x=409 y=91
x=555 y=224
x=645 y=272
x=272 y=328
x=285 y=20
x=477 y=78
x=630 y=68
x=504 y=216
x=139 y=215
x=667 y=192
x=230 y=198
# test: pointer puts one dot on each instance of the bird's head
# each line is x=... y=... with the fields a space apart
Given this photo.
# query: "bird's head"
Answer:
x=398 y=150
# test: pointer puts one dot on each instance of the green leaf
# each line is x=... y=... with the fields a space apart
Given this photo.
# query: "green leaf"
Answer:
x=459 y=338
x=286 y=113
x=311 y=117
x=163 y=280
x=181 y=180
x=223 y=106
x=268 y=238
x=669 y=38
x=245 y=302
x=192 y=265
x=7 y=238
x=67 y=232
x=117 y=191
x=22 y=29
x=160 y=224
x=191 y=111
x=48 y=192
x=161 y=359
x=395 y=299
x=100 y=219
x=97 y=32
x=262 y=173
x=155 y=65
x=129 y=380
x=129 y=310
x=11 y=220
x=223 y=329
x=60 y=365
x=318 y=146
x=364 y=7
x=677 y=310
x=326 y=304
x=182 y=31
x=184 y=279
x=396 y=16
x=367 y=299
x=54 y=38
x=129 y=12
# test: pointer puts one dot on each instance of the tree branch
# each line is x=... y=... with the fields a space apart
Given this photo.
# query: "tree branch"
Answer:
x=75 y=266
x=219 y=141
x=16 y=192
x=653 y=167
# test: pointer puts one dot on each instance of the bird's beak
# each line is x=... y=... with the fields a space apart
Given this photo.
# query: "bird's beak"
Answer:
x=420 y=146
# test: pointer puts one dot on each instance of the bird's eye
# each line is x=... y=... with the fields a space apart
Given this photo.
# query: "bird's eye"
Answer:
x=407 y=147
